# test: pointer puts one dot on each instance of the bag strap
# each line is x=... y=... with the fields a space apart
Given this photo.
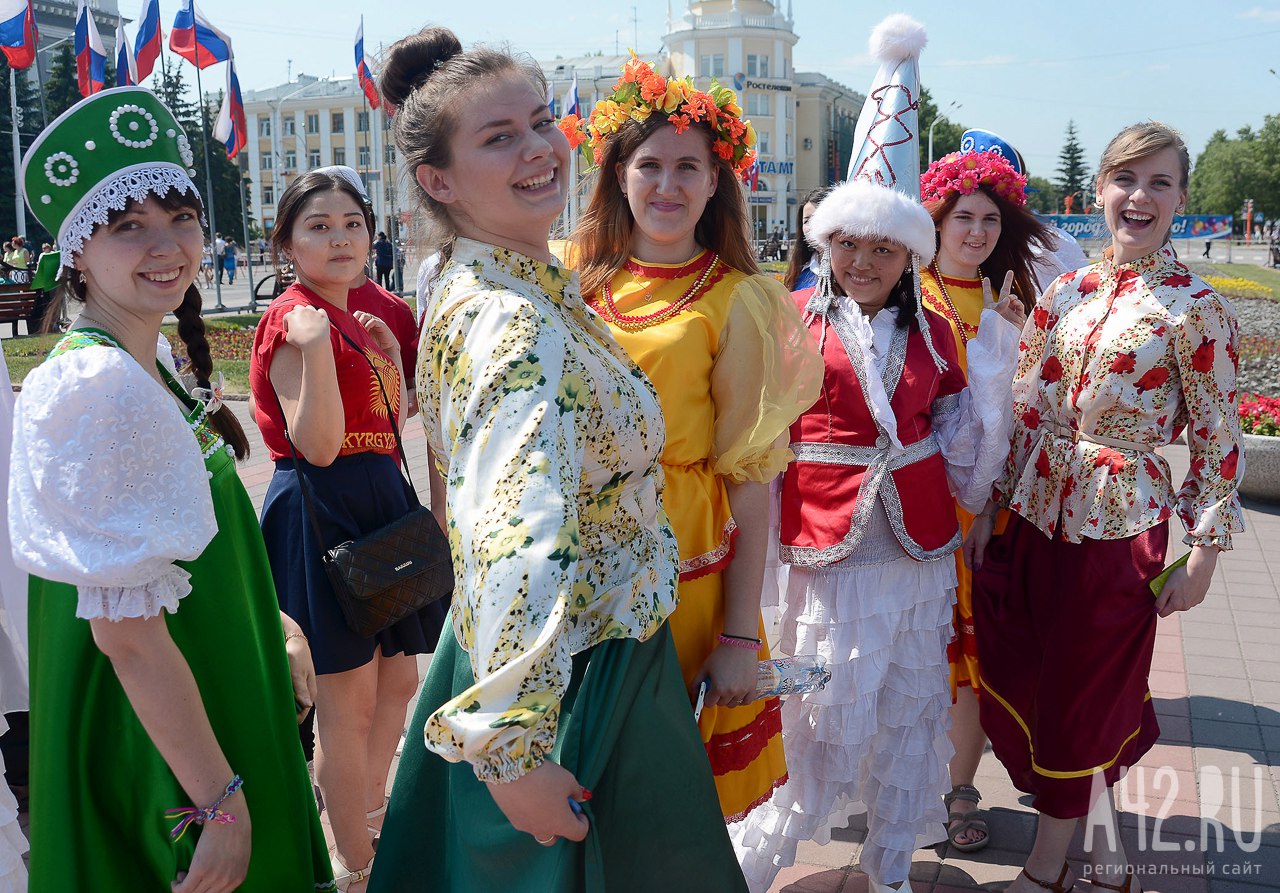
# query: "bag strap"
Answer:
x=304 y=485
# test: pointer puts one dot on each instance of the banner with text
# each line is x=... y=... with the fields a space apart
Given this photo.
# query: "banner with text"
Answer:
x=1185 y=226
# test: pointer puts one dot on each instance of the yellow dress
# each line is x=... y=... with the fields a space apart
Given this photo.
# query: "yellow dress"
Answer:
x=966 y=296
x=733 y=370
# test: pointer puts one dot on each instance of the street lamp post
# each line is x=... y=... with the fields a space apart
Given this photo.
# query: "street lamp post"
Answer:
x=936 y=118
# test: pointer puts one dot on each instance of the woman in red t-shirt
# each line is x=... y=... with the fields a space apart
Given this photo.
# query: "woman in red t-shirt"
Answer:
x=313 y=365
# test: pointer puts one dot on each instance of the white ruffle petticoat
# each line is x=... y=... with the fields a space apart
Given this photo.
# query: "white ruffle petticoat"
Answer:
x=13 y=872
x=875 y=739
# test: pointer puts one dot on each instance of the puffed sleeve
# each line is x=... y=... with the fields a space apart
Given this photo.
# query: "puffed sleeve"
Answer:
x=1206 y=346
x=1026 y=389
x=107 y=486
x=973 y=427
x=767 y=372
x=507 y=416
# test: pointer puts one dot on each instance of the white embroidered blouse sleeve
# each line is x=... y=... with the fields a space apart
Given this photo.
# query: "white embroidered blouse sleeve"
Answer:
x=973 y=427
x=107 y=486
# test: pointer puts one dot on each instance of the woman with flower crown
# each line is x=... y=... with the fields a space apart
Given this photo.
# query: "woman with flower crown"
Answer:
x=553 y=731
x=665 y=258
x=866 y=523
x=977 y=199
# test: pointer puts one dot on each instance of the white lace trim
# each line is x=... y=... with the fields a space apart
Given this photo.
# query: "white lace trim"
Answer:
x=128 y=602
x=114 y=194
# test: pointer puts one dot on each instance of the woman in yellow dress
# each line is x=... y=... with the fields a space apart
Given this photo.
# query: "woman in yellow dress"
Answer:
x=665 y=258
x=977 y=199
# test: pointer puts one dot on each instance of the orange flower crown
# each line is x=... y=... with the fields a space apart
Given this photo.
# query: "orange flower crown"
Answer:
x=641 y=92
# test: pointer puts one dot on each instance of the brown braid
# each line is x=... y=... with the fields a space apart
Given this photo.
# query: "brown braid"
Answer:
x=191 y=331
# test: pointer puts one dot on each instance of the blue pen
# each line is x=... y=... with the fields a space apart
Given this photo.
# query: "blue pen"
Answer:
x=575 y=806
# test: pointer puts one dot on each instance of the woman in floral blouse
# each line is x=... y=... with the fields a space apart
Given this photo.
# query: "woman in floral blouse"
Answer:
x=556 y=721
x=1117 y=359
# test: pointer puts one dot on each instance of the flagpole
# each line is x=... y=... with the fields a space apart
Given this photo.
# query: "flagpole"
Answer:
x=44 y=113
x=17 y=155
x=208 y=179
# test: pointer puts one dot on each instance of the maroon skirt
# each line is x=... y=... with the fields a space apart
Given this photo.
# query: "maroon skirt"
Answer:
x=1065 y=637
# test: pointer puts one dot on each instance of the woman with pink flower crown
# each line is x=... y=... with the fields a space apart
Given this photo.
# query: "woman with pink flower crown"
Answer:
x=977 y=199
x=866 y=520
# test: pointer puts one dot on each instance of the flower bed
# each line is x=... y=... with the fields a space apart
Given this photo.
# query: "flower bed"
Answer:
x=1235 y=287
x=1260 y=415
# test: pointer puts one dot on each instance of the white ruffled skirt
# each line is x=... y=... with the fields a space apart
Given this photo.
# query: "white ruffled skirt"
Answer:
x=875 y=739
x=13 y=873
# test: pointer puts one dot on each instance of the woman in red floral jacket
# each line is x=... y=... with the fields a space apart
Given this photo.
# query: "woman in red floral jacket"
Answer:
x=1117 y=359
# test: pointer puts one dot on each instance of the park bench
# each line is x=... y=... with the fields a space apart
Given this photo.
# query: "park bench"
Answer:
x=20 y=303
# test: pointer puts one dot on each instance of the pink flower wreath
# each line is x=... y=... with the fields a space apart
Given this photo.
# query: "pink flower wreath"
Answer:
x=966 y=172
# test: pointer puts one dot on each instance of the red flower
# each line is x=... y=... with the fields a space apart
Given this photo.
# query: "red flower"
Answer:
x=1202 y=358
x=1114 y=460
x=1042 y=465
x=1229 y=463
x=1089 y=284
x=1152 y=379
x=1124 y=362
x=1127 y=282
x=1177 y=280
x=1041 y=318
x=1051 y=371
x=1165 y=513
x=1031 y=418
x=1203 y=293
x=1153 y=470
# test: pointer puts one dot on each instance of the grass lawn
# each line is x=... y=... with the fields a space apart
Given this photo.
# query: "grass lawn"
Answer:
x=1253 y=272
x=230 y=340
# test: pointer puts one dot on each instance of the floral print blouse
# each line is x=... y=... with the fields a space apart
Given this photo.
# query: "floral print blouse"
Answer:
x=1127 y=356
x=547 y=438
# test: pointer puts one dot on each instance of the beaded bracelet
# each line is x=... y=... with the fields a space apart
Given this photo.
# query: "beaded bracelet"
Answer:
x=740 y=642
x=193 y=815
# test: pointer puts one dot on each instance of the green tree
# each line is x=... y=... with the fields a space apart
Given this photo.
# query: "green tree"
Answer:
x=61 y=87
x=28 y=127
x=1073 y=173
x=946 y=135
x=226 y=175
x=1230 y=170
x=1043 y=196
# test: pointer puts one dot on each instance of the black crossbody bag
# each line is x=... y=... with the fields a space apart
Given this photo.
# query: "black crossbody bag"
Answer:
x=388 y=574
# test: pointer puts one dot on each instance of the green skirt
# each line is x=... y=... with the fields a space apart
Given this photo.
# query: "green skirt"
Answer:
x=99 y=787
x=627 y=733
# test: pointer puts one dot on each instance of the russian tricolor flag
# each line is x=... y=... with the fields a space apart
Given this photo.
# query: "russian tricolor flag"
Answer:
x=571 y=98
x=231 y=128
x=364 y=68
x=18 y=35
x=150 y=39
x=126 y=68
x=91 y=55
x=195 y=39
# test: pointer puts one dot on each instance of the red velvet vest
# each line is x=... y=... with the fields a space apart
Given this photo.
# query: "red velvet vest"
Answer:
x=840 y=451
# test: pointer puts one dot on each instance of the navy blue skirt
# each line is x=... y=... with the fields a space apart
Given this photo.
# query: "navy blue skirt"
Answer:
x=354 y=496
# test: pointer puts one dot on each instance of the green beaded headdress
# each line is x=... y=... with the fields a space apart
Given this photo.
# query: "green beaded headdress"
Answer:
x=105 y=150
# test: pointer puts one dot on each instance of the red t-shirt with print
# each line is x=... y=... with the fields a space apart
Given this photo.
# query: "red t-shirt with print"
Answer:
x=394 y=311
x=367 y=428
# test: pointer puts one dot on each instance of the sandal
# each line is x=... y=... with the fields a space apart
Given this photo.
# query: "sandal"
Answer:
x=960 y=822
x=1119 y=888
x=343 y=876
x=1058 y=886
x=376 y=831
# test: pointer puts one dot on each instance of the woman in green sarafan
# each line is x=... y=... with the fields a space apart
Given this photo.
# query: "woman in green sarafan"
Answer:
x=160 y=678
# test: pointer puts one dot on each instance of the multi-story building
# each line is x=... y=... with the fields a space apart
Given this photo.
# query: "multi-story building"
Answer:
x=315 y=122
x=804 y=120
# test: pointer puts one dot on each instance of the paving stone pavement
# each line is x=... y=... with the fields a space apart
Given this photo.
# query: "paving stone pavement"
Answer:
x=1201 y=812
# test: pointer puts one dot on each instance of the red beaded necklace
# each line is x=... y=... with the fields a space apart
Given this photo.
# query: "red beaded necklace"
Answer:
x=961 y=326
x=611 y=314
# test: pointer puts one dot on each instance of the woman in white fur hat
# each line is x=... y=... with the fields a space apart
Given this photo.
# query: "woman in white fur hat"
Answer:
x=867 y=523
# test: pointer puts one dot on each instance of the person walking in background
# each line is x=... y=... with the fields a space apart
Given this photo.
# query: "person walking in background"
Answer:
x=165 y=682
x=985 y=235
x=229 y=259
x=1119 y=358
x=665 y=258
x=553 y=722
x=219 y=252
x=383 y=260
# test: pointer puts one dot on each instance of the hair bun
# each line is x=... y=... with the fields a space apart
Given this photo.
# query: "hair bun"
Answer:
x=413 y=59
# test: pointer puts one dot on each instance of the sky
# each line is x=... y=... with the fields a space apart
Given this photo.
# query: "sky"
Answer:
x=1022 y=70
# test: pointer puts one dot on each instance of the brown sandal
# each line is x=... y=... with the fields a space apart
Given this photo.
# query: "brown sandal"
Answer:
x=960 y=822
x=1058 y=886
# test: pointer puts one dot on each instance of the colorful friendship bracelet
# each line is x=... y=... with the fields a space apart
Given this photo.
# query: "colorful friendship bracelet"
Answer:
x=194 y=815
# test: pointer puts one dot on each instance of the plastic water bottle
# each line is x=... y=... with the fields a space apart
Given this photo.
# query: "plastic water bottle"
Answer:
x=791 y=676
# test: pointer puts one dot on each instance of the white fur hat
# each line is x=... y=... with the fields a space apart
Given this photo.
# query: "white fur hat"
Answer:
x=863 y=209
